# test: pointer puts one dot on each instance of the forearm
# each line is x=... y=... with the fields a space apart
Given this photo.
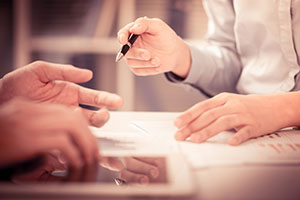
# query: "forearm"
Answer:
x=213 y=69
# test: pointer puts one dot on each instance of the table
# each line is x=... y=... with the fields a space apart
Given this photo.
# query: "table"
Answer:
x=232 y=182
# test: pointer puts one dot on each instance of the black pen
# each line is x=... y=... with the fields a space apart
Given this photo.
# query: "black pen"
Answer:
x=126 y=47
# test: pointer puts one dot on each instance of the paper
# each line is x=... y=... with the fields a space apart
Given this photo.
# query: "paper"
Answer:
x=156 y=136
x=281 y=147
x=278 y=148
x=132 y=138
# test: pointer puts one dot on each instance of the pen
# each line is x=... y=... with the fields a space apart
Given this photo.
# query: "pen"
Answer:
x=126 y=47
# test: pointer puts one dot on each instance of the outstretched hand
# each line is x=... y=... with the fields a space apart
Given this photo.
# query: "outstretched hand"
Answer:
x=55 y=83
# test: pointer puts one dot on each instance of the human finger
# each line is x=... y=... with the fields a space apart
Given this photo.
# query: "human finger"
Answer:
x=145 y=71
x=96 y=118
x=47 y=71
x=222 y=124
x=135 y=63
x=59 y=118
x=123 y=33
x=138 y=54
x=151 y=160
x=61 y=142
x=111 y=163
x=141 y=167
x=242 y=135
x=99 y=98
x=202 y=121
x=131 y=177
x=147 y=25
x=196 y=110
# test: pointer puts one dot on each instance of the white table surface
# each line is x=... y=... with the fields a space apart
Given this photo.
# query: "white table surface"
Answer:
x=230 y=182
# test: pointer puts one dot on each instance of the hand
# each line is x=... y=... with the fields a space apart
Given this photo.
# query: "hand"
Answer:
x=249 y=115
x=142 y=170
x=29 y=129
x=158 y=48
x=54 y=83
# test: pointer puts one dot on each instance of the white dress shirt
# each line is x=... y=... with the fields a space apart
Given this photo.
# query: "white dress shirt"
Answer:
x=252 y=47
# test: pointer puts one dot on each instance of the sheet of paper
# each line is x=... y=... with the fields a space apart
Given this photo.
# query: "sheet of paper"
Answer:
x=131 y=138
x=282 y=147
x=277 y=148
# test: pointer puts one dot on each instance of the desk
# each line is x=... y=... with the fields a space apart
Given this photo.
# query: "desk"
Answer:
x=232 y=182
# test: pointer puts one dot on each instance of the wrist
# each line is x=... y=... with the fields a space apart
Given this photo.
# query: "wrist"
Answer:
x=290 y=109
x=183 y=64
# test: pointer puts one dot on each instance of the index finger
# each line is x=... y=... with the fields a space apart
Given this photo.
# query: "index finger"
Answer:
x=195 y=111
x=124 y=33
x=47 y=71
x=99 y=98
x=140 y=26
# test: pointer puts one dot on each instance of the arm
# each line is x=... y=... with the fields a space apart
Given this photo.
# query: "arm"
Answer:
x=215 y=65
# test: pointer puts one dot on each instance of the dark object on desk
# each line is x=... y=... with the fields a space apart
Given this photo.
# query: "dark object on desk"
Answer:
x=103 y=180
x=125 y=48
x=7 y=172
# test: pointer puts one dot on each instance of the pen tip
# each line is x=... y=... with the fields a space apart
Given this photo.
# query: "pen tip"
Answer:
x=119 y=57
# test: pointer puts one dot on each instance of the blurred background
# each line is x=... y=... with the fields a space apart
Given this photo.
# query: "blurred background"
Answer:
x=83 y=33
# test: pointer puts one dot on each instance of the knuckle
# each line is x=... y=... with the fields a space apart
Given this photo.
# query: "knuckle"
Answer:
x=248 y=132
x=157 y=20
x=97 y=99
x=120 y=32
x=224 y=95
x=188 y=130
x=228 y=121
x=38 y=63
x=210 y=115
x=207 y=133
x=69 y=66
x=141 y=20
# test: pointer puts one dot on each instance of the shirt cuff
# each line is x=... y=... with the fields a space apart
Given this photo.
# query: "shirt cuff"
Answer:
x=193 y=74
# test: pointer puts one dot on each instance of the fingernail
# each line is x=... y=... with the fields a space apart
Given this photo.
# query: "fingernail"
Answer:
x=155 y=62
x=114 y=98
x=145 y=56
x=196 y=138
x=178 y=122
x=136 y=26
x=106 y=116
x=233 y=141
x=179 y=136
x=154 y=173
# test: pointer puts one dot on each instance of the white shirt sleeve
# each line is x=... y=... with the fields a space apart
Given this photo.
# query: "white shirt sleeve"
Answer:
x=216 y=65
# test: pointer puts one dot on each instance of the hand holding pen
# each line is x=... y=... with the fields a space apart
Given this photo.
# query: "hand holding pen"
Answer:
x=157 y=49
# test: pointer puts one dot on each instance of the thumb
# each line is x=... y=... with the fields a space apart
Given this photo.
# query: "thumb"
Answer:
x=50 y=71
